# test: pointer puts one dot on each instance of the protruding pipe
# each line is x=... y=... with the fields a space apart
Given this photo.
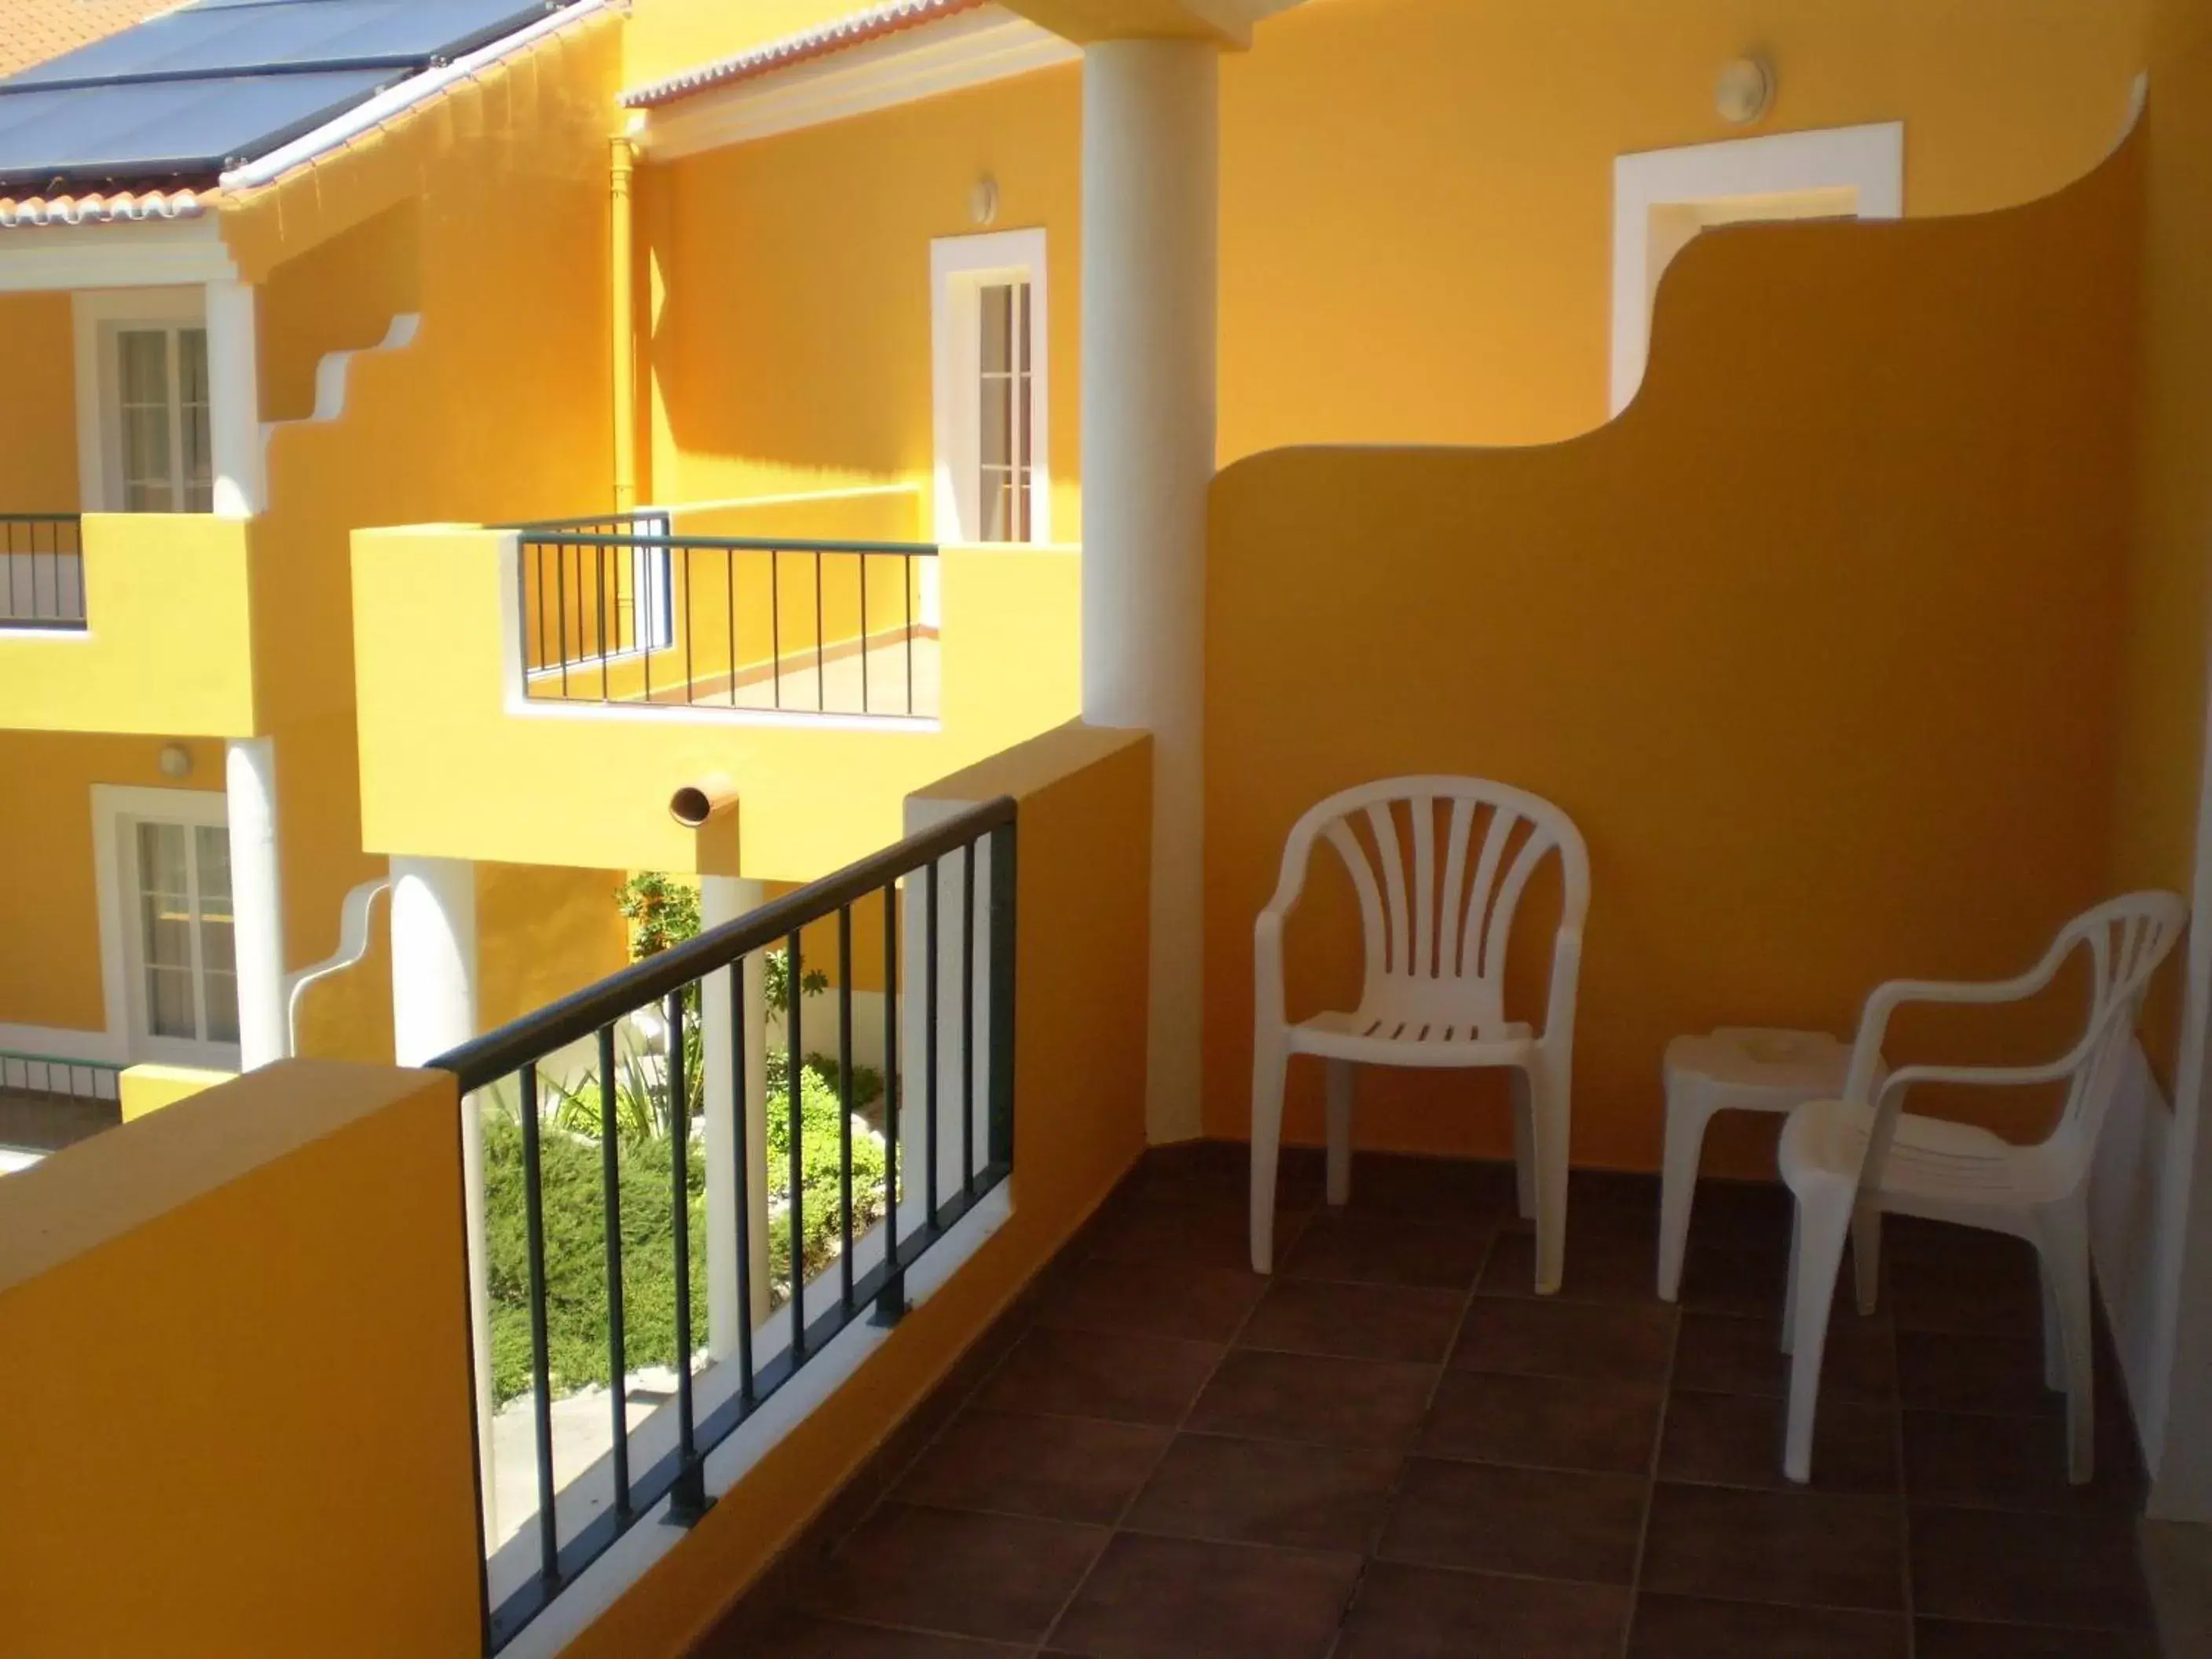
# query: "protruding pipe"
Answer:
x=710 y=796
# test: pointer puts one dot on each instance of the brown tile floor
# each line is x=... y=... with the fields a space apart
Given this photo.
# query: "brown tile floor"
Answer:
x=1393 y=1449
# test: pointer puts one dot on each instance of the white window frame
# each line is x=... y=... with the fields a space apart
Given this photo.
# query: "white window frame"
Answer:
x=116 y=808
x=959 y=268
x=98 y=315
x=1869 y=160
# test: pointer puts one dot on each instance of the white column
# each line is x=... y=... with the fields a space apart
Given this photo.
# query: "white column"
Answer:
x=234 y=400
x=722 y=899
x=255 y=899
x=434 y=1008
x=1150 y=261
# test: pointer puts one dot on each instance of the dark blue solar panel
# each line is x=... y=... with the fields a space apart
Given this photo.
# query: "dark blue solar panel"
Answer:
x=182 y=95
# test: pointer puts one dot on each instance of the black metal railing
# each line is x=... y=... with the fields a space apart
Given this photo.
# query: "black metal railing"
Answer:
x=53 y=1076
x=621 y=610
x=42 y=570
x=962 y=1040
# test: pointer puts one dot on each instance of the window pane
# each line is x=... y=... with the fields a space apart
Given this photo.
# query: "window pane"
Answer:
x=142 y=358
x=214 y=849
x=997 y=502
x=1022 y=325
x=995 y=448
x=218 y=947
x=997 y=328
x=165 y=921
x=200 y=454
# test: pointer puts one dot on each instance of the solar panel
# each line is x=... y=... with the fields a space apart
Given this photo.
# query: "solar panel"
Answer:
x=187 y=94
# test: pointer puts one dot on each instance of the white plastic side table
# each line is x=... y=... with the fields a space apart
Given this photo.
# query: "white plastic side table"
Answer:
x=1736 y=1068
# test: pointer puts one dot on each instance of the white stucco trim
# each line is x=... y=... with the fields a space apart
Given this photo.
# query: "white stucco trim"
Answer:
x=1868 y=159
x=147 y=254
x=972 y=49
x=958 y=267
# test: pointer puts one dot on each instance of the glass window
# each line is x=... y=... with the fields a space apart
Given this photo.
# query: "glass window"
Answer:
x=184 y=932
x=163 y=413
x=1004 y=463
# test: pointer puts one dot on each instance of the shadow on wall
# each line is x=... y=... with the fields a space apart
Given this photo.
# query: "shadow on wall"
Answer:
x=1818 y=643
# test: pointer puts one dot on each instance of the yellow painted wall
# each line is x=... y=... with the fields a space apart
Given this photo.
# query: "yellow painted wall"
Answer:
x=49 y=906
x=545 y=932
x=790 y=347
x=166 y=599
x=147 y=1089
x=483 y=212
x=1818 y=644
x=239 y=1328
x=338 y=295
x=1085 y=801
x=1418 y=194
x=2163 y=685
x=38 y=417
x=589 y=787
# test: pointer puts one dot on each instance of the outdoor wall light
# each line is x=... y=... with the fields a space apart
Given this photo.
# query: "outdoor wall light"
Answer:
x=1745 y=91
x=983 y=201
x=176 y=760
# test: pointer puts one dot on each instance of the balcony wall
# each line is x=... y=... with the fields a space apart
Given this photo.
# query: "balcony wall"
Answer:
x=168 y=643
x=456 y=762
x=234 y=1343
x=1820 y=643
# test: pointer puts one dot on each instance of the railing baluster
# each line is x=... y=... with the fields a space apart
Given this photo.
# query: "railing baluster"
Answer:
x=775 y=627
x=618 y=1345
x=929 y=1043
x=533 y=1222
x=821 y=627
x=906 y=587
x=691 y=661
x=893 y=1303
x=561 y=605
x=844 y=1097
x=688 y=1500
x=599 y=588
x=730 y=597
x=864 y=634
x=740 y=1112
x=1004 y=873
x=967 y=1021
x=794 y=1204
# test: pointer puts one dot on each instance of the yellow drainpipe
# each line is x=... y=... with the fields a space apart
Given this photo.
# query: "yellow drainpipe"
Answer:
x=622 y=163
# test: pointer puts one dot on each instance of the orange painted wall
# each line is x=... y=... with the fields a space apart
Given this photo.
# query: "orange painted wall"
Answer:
x=234 y=1338
x=1085 y=799
x=790 y=336
x=1818 y=644
x=2163 y=682
x=1418 y=194
x=38 y=417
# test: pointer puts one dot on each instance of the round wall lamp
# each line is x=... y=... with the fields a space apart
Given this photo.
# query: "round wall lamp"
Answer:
x=1745 y=91
x=176 y=760
x=983 y=201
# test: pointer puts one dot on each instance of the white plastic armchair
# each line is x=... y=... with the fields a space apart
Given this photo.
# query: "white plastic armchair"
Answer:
x=1435 y=955
x=1849 y=1160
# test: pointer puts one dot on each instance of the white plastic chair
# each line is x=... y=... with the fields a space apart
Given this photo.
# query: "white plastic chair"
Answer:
x=1435 y=965
x=1849 y=1160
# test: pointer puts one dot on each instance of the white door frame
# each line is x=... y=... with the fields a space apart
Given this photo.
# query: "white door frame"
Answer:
x=114 y=808
x=1868 y=159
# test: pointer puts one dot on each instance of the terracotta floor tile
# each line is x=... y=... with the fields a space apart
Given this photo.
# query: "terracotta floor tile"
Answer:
x=1432 y=1189
x=1137 y=1298
x=806 y=1635
x=1540 y=1523
x=1944 y=1638
x=1359 y=1322
x=2016 y=1463
x=1425 y=1612
x=1359 y=1246
x=1153 y=1596
x=1741 y=1214
x=1060 y=1469
x=2000 y=1375
x=951 y=1571
x=2004 y=1567
x=1543 y=1336
x=1969 y=1296
x=1719 y=1353
x=1741 y=1283
x=1267 y=1492
x=1602 y=1265
x=1188 y=1234
x=1735 y=1440
x=1338 y=1402
x=1612 y=1190
x=1684 y=1627
x=1544 y=1422
x=1130 y=1379
x=1799 y=1549
x=1219 y=1172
